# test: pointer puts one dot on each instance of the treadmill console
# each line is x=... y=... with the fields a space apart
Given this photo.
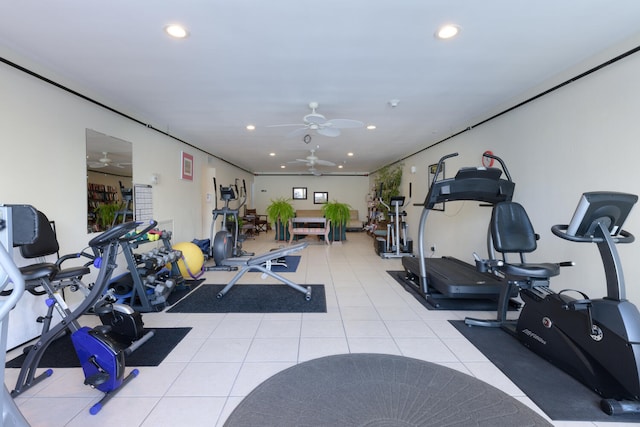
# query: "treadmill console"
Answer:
x=397 y=201
x=480 y=172
x=471 y=183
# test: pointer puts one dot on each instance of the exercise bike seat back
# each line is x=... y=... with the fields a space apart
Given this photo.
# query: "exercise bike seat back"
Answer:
x=44 y=245
x=512 y=233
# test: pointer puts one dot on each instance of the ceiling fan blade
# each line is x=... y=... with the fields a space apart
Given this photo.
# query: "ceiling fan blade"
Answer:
x=329 y=131
x=286 y=125
x=325 y=163
x=96 y=165
x=297 y=132
x=344 y=123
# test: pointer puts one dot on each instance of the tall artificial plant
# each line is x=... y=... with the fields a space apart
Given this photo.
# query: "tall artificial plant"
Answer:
x=390 y=177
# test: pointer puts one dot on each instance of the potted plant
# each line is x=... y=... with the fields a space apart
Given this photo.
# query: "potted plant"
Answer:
x=105 y=214
x=338 y=213
x=279 y=212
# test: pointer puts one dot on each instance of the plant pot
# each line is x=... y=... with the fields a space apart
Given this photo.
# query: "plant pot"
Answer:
x=338 y=234
x=282 y=231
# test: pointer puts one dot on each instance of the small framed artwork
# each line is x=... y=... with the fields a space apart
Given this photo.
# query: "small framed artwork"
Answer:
x=299 y=193
x=320 y=197
x=432 y=175
x=187 y=166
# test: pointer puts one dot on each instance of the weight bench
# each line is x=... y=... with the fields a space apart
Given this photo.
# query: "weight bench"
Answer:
x=245 y=264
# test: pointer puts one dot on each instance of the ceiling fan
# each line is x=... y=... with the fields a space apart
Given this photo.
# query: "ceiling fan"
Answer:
x=104 y=161
x=319 y=123
x=312 y=160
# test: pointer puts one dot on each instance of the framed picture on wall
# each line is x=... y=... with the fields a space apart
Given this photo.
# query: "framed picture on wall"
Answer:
x=320 y=197
x=432 y=173
x=186 y=166
x=299 y=193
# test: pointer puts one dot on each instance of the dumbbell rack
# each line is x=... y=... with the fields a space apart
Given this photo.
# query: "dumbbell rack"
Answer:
x=149 y=293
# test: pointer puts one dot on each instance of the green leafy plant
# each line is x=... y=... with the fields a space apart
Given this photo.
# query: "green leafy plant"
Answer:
x=106 y=213
x=279 y=212
x=390 y=177
x=339 y=214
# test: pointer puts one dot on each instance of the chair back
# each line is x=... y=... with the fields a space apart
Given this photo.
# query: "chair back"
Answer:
x=45 y=242
x=511 y=229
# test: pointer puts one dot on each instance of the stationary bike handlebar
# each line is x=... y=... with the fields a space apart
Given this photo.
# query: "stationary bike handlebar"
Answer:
x=114 y=233
x=560 y=231
x=152 y=224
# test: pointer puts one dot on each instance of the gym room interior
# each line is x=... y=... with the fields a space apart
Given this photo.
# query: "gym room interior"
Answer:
x=564 y=133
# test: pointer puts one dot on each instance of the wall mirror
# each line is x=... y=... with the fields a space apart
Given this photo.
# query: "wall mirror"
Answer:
x=109 y=164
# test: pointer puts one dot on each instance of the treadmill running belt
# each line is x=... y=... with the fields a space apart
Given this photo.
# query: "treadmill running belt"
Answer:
x=452 y=279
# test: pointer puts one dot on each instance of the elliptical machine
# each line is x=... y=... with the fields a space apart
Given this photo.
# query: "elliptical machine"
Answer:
x=597 y=341
x=225 y=244
x=101 y=358
x=395 y=244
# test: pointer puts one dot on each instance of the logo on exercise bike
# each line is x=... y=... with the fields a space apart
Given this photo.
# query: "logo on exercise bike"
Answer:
x=534 y=336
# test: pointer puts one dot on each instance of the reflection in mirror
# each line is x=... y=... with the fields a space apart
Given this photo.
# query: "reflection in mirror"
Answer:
x=109 y=181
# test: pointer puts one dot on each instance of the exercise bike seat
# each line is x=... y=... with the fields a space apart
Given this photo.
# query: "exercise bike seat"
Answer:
x=534 y=271
x=46 y=244
x=512 y=232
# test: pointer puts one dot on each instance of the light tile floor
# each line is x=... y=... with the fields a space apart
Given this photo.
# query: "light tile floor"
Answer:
x=225 y=356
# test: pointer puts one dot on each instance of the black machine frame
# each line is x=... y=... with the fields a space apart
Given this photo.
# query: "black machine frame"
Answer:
x=447 y=282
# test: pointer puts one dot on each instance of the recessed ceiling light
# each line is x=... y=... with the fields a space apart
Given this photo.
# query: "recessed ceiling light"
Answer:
x=350 y=154
x=272 y=154
x=340 y=166
x=282 y=166
x=371 y=127
x=176 y=31
x=251 y=127
x=447 y=31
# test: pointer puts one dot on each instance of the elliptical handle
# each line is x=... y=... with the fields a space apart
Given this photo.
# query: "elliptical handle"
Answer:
x=560 y=231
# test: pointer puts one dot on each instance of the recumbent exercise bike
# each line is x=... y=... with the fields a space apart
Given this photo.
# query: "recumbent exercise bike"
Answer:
x=597 y=341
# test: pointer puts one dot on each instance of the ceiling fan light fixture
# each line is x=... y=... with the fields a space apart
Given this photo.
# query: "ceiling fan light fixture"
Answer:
x=371 y=127
x=251 y=127
x=176 y=31
x=447 y=31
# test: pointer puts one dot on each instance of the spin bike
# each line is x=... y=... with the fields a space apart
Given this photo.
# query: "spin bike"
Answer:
x=225 y=244
x=595 y=340
x=101 y=357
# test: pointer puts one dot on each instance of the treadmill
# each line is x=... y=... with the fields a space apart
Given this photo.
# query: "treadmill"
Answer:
x=448 y=283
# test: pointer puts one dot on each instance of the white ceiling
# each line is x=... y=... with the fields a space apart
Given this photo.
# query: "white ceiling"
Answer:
x=258 y=62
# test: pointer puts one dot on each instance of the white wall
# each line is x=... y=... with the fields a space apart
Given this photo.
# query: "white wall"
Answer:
x=345 y=189
x=581 y=137
x=43 y=163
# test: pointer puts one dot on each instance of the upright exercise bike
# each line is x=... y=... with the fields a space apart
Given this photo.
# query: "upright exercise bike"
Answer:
x=595 y=340
x=101 y=357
